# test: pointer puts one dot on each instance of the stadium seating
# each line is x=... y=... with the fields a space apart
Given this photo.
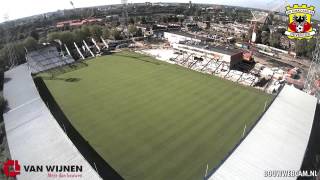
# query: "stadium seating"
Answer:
x=46 y=58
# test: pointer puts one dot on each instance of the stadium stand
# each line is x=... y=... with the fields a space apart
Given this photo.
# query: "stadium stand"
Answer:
x=34 y=136
x=311 y=158
x=46 y=58
x=278 y=141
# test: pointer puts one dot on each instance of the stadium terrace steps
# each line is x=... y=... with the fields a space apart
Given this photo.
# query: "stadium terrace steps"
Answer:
x=46 y=58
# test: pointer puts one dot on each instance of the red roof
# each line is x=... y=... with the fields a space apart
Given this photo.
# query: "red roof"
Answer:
x=77 y=22
x=292 y=71
x=247 y=56
x=317 y=83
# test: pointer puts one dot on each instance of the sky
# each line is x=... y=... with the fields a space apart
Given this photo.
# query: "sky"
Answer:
x=15 y=9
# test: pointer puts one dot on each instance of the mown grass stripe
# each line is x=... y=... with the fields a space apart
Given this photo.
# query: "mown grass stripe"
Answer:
x=153 y=120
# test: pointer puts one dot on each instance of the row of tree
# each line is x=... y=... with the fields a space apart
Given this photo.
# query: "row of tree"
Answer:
x=94 y=31
x=272 y=39
x=305 y=48
x=14 y=52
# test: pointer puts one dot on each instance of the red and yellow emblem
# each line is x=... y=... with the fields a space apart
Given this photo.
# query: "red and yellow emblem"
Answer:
x=300 y=26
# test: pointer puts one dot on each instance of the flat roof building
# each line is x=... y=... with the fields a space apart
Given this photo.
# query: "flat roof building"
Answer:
x=230 y=56
x=179 y=36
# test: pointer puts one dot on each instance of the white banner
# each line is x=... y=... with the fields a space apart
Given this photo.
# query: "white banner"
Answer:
x=300 y=35
x=294 y=11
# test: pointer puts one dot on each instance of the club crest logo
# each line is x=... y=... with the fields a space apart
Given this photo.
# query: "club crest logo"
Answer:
x=11 y=168
x=300 y=26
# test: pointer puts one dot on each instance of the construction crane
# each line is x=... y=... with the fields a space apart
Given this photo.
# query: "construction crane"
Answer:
x=264 y=18
x=254 y=33
x=87 y=14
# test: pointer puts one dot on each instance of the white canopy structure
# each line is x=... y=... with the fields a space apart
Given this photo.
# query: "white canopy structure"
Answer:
x=34 y=136
x=277 y=142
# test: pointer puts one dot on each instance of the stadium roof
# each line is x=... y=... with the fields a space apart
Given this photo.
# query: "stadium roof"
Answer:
x=34 y=136
x=277 y=142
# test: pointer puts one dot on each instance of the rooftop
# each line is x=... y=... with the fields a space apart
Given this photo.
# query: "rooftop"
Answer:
x=182 y=33
x=219 y=49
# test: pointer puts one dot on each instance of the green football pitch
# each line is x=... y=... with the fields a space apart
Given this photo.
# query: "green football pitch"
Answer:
x=151 y=120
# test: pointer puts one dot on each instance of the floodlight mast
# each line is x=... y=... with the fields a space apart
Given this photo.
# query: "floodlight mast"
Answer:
x=254 y=34
x=72 y=4
x=312 y=83
x=125 y=11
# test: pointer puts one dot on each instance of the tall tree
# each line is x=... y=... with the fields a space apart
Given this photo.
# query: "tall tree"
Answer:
x=131 y=20
x=30 y=43
x=79 y=35
x=143 y=20
x=53 y=36
x=67 y=38
x=301 y=47
x=17 y=49
x=311 y=44
x=85 y=30
x=34 y=34
x=96 y=32
x=106 y=33
x=116 y=34
x=132 y=29
x=275 y=39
